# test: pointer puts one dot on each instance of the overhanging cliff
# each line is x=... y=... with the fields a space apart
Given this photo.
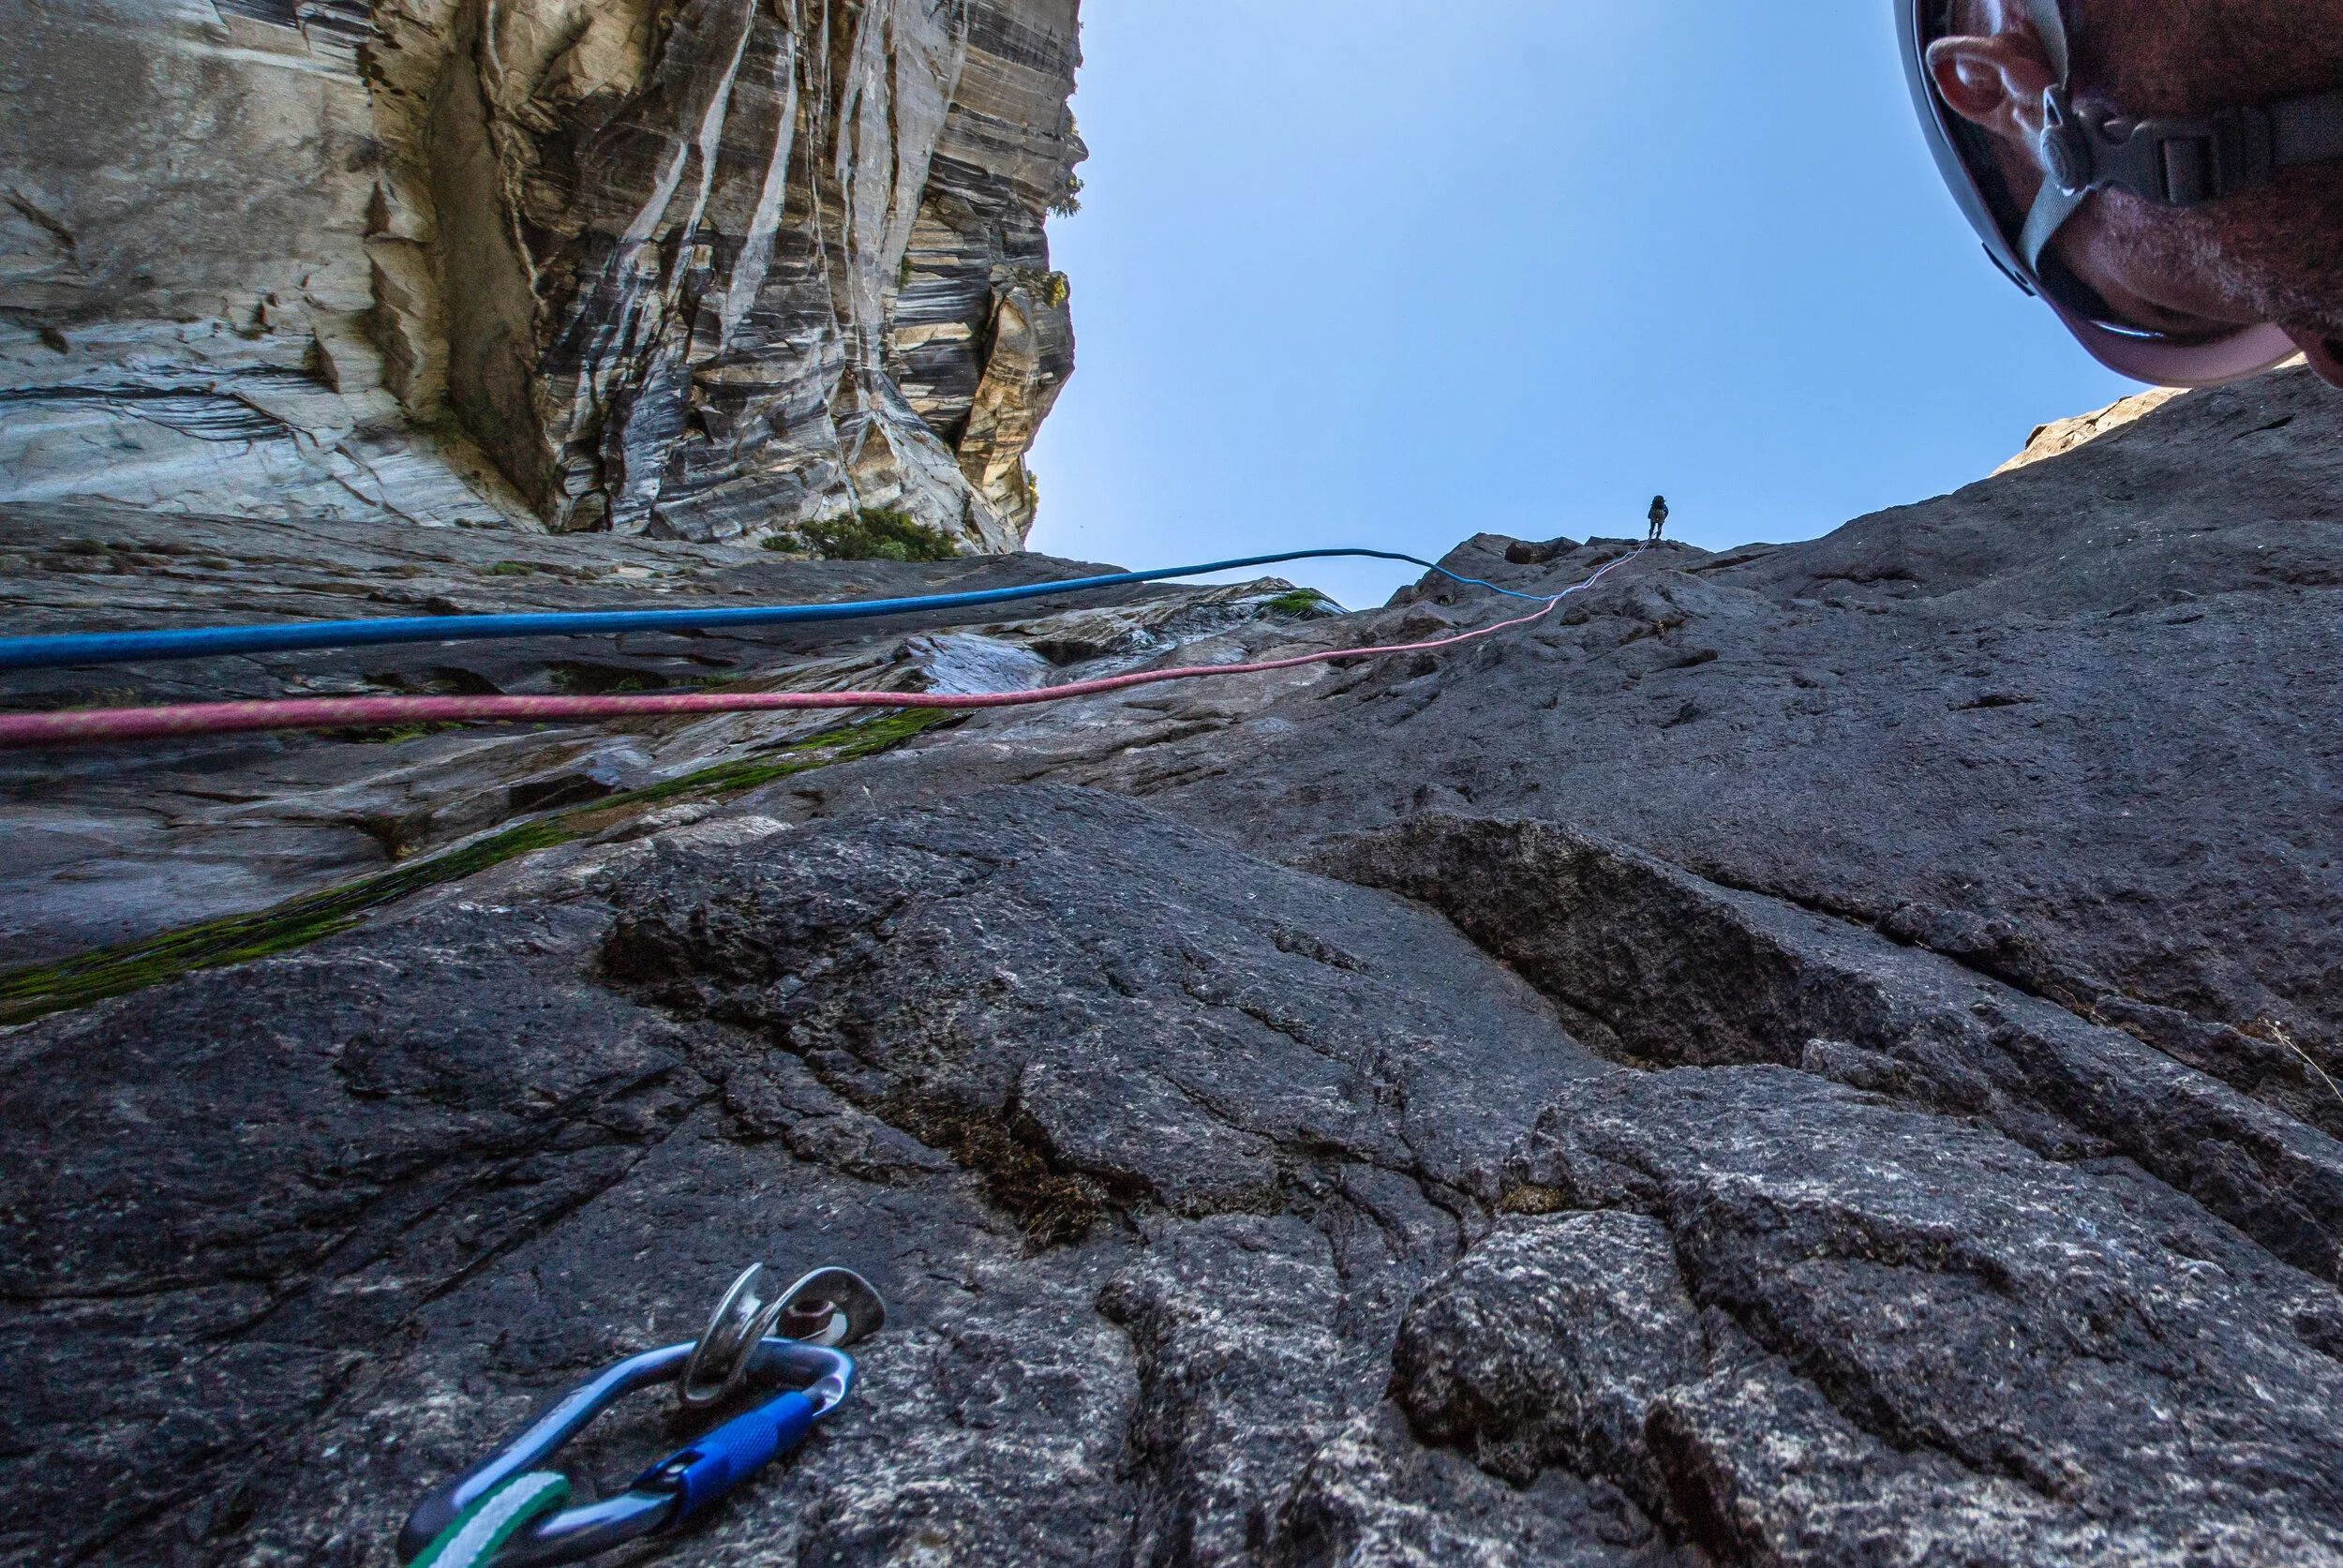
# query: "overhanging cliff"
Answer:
x=703 y=269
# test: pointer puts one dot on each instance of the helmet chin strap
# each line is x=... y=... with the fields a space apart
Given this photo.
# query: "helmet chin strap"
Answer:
x=2050 y=22
x=2054 y=205
x=2169 y=163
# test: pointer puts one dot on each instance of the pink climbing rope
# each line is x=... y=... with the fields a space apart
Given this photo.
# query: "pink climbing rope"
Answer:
x=96 y=725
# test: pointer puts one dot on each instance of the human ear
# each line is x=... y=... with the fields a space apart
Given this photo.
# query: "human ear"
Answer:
x=2324 y=354
x=1995 y=81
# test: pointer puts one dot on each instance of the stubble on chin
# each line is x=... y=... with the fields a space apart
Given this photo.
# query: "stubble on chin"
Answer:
x=2279 y=251
x=2255 y=258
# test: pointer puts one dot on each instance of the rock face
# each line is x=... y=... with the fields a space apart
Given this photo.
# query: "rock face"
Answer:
x=1152 y=1194
x=2062 y=436
x=692 y=268
x=1821 y=1055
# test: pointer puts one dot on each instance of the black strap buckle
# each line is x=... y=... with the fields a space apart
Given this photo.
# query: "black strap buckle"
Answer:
x=2172 y=163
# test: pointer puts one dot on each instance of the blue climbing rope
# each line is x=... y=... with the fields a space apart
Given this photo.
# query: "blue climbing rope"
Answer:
x=118 y=647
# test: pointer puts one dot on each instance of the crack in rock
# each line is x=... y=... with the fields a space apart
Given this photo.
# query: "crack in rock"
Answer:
x=1680 y=971
x=1801 y=1324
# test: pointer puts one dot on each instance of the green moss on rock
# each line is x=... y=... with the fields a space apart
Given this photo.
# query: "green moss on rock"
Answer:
x=31 y=992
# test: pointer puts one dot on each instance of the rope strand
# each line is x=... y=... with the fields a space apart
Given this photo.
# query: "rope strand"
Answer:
x=121 y=648
x=89 y=726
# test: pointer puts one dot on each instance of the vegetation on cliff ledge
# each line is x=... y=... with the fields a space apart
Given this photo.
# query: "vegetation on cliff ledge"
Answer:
x=874 y=533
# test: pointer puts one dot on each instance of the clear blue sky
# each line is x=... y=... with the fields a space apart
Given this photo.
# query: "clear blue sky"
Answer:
x=1386 y=273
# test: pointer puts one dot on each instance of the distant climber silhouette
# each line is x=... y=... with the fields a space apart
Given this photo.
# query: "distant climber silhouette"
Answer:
x=1659 y=517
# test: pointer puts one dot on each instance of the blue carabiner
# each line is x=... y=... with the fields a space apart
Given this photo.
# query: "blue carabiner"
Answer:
x=669 y=1491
